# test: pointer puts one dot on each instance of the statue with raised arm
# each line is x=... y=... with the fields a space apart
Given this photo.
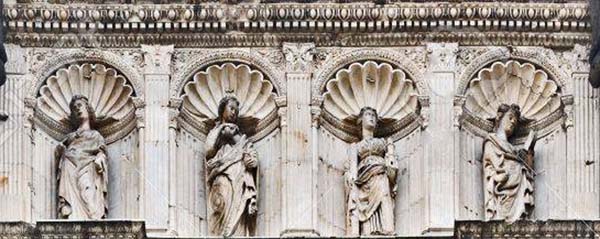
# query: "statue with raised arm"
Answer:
x=371 y=181
x=231 y=164
x=82 y=172
x=508 y=169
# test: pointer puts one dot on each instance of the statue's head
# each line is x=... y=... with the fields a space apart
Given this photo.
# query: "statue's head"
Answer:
x=367 y=119
x=229 y=108
x=507 y=119
x=81 y=111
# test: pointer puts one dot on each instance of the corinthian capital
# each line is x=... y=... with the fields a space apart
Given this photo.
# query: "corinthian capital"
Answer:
x=299 y=56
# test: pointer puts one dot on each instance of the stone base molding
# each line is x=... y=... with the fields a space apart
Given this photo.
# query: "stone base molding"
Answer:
x=58 y=229
x=527 y=229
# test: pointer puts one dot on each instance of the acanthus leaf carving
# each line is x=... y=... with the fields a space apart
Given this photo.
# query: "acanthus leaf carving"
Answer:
x=299 y=56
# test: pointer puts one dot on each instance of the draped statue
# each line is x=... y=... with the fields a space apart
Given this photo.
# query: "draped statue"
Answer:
x=508 y=169
x=371 y=180
x=82 y=172
x=231 y=163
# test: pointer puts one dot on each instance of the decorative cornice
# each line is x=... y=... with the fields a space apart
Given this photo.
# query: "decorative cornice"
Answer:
x=325 y=24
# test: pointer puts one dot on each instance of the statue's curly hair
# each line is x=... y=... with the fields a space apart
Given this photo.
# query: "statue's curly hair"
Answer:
x=503 y=109
x=223 y=102
x=73 y=117
x=362 y=111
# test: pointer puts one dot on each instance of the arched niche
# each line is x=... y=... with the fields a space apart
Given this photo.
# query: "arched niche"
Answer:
x=255 y=92
x=401 y=105
x=203 y=60
x=395 y=58
x=197 y=111
x=115 y=100
x=109 y=92
x=543 y=91
x=388 y=89
x=539 y=95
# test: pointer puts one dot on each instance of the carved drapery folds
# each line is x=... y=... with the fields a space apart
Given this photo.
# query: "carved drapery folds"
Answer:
x=508 y=168
x=365 y=103
x=258 y=114
x=512 y=82
x=511 y=105
x=85 y=106
x=82 y=172
x=108 y=93
x=379 y=86
x=235 y=105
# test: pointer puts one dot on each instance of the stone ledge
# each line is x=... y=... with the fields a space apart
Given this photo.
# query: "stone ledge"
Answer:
x=107 y=229
x=58 y=229
x=16 y=229
x=527 y=229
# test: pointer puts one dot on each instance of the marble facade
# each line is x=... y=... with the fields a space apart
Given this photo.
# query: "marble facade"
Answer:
x=433 y=75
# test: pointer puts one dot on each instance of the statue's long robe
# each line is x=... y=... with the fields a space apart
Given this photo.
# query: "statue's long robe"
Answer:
x=82 y=177
x=375 y=183
x=508 y=181
x=231 y=189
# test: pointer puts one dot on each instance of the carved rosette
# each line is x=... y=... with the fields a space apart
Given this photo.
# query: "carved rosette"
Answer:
x=512 y=82
x=201 y=96
x=109 y=94
x=376 y=85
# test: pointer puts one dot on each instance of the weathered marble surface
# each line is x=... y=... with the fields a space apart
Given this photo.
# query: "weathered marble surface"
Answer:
x=157 y=170
x=594 y=57
x=530 y=229
x=72 y=229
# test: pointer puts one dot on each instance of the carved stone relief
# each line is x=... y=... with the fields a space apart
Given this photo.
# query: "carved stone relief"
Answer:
x=371 y=181
x=365 y=103
x=231 y=163
x=511 y=82
x=236 y=105
x=379 y=86
x=82 y=172
x=109 y=94
x=508 y=169
x=45 y=63
x=255 y=93
x=370 y=69
x=298 y=56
